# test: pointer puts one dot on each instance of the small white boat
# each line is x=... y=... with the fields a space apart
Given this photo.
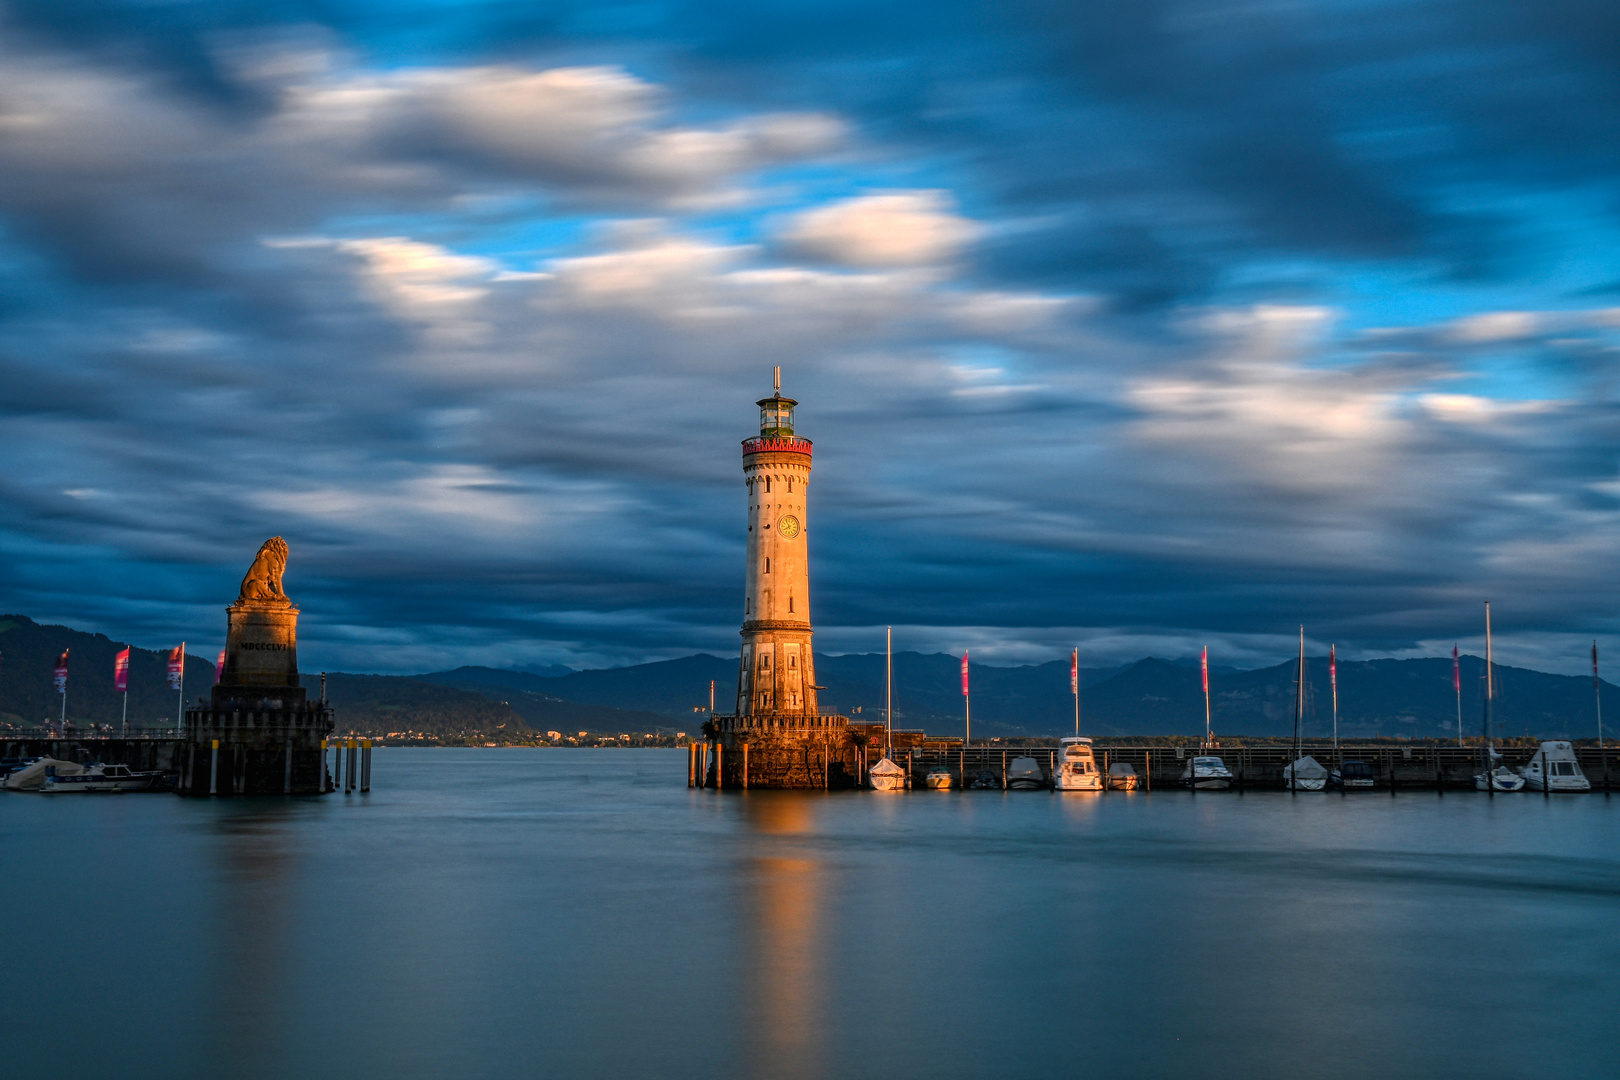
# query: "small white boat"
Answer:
x=1554 y=768
x=1077 y=766
x=1206 y=774
x=1354 y=776
x=1122 y=776
x=100 y=778
x=1304 y=774
x=939 y=778
x=1500 y=778
x=886 y=776
x=31 y=777
x=1025 y=774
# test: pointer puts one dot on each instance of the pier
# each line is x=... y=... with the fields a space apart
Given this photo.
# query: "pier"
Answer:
x=1398 y=767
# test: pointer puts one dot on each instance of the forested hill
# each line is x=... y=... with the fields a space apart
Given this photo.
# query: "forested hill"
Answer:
x=28 y=652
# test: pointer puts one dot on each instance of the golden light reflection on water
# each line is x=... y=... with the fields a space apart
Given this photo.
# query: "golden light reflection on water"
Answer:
x=784 y=1008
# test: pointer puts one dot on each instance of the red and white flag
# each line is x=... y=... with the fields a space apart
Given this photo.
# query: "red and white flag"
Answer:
x=61 y=672
x=964 y=673
x=177 y=667
x=219 y=671
x=121 y=671
x=1203 y=664
x=1333 y=667
x=1074 y=672
x=1456 y=671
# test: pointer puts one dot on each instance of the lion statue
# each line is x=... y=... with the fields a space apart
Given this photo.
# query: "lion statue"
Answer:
x=263 y=581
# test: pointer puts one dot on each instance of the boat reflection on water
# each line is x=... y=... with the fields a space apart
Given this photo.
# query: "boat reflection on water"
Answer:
x=784 y=1007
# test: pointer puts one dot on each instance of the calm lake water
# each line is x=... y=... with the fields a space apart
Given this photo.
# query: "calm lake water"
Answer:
x=538 y=913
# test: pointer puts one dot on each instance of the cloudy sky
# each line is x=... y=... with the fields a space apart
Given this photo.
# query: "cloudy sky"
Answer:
x=1131 y=325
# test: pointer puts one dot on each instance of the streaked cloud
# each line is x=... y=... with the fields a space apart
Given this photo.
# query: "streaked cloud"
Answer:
x=1138 y=327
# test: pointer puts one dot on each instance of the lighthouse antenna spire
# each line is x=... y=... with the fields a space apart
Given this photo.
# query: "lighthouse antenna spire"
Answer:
x=776 y=378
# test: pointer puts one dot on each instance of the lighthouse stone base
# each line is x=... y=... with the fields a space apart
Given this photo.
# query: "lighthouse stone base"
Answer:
x=788 y=751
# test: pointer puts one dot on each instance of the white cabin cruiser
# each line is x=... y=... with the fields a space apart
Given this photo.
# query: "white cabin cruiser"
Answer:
x=887 y=776
x=1304 y=774
x=1025 y=774
x=100 y=778
x=939 y=778
x=1122 y=777
x=1554 y=768
x=1206 y=774
x=1077 y=766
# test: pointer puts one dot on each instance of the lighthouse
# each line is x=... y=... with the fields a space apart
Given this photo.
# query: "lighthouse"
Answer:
x=776 y=674
x=777 y=737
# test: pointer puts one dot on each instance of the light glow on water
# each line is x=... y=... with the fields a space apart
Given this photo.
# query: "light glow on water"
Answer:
x=570 y=913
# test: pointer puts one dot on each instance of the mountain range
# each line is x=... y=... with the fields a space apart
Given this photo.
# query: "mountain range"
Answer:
x=1408 y=698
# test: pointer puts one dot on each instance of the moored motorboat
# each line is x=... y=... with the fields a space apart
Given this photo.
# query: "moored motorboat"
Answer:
x=1206 y=774
x=1554 y=768
x=111 y=778
x=1304 y=774
x=939 y=778
x=985 y=781
x=887 y=776
x=1077 y=766
x=31 y=777
x=1354 y=776
x=1025 y=774
x=1122 y=776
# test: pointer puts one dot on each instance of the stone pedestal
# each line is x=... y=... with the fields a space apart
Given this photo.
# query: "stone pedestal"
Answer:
x=788 y=751
x=261 y=644
x=258 y=734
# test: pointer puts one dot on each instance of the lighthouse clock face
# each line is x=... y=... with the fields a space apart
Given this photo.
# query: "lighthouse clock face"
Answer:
x=788 y=526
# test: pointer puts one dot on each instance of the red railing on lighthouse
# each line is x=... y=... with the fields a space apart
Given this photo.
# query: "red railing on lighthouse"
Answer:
x=788 y=443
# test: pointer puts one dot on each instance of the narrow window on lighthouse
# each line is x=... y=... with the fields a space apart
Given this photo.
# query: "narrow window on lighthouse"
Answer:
x=793 y=661
x=790 y=485
x=767 y=566
x=767 y=485
x=790 y=605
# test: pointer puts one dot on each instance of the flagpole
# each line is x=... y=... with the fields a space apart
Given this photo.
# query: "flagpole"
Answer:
x=126 y=712
x=1456 y=683
x=1333 y=670
x=967 y=702
x=1074 y=669
x=1205 y=665
x=180 y=706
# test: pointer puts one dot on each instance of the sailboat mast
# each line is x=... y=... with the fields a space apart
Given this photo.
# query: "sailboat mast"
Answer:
x=1597 y=689
x=1486 y=734
x=1299 y=701
x=888 y=694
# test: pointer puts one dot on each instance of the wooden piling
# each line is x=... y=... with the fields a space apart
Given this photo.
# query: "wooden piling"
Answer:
x=213 y=767
x=745 y=766
x=1004 y=770
x=1147 y=768
x=365 y=766
x=719 y=766
x=286 y=771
